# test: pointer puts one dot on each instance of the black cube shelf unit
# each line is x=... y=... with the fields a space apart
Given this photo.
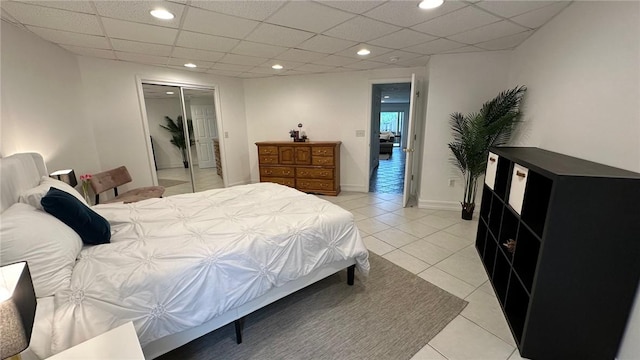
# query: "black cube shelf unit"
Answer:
x=568 y=284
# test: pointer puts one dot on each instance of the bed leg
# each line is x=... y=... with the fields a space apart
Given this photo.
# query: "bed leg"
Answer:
x=239 y=324
x=350 y=274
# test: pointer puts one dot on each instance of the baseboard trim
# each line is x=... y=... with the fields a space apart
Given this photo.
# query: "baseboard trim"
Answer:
x=438 y=205
x=354 y=188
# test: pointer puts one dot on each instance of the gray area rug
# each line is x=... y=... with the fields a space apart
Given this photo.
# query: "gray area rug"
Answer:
x=390 y=315
x=169 y=182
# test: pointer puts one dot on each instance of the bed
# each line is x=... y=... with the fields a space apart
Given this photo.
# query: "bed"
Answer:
x=178 y=267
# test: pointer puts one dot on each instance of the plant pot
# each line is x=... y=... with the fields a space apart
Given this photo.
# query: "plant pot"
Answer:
x=467 y=211
x=186 y=164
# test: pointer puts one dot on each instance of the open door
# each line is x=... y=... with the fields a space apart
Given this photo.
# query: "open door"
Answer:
x=410 y=147
x=376 y=96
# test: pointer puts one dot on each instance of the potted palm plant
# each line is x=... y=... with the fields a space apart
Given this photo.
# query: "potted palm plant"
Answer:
x=475 y=133
x=176 y=128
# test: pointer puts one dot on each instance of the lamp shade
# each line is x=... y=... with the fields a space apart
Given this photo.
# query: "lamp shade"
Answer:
x=17 y=308
x=67 y=175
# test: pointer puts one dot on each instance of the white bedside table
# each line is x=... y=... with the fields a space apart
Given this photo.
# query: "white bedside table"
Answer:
x=120 y=343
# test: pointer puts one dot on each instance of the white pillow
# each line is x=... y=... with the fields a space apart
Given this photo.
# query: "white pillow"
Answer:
x=48 y=245
x=34 y=195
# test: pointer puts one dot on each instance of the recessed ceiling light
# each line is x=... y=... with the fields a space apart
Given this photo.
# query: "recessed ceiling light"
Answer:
x=277 y=67
x=161 y=14
x=190 y=65
x=363 y=52
x=169 y=92
x=386 y=96
x=430 y=4
x=382 y=101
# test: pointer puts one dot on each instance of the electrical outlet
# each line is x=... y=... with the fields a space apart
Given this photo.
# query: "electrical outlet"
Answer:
x=226 y=134
x=452 y=182
x=359 y=133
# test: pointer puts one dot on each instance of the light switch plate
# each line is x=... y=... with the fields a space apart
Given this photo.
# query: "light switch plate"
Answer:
x=359 y=133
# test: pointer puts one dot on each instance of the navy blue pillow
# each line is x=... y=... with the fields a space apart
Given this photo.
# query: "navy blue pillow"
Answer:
x=92 y=228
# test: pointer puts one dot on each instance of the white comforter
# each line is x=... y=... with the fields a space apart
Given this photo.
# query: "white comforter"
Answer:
x=177 y=262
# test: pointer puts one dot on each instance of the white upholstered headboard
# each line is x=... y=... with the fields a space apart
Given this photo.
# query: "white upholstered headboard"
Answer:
x=19 y=172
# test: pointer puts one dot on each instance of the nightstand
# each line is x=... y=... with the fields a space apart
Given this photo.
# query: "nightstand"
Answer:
x=120 y=343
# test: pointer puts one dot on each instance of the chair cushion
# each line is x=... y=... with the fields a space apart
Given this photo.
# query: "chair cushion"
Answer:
x=138 y=194
x=92 y=228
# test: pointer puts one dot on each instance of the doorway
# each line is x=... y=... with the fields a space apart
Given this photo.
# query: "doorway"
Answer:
x=390 y=111
x=183 y=133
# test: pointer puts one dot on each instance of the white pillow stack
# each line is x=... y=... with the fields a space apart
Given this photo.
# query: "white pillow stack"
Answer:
x=48 y=245
x=34 y=195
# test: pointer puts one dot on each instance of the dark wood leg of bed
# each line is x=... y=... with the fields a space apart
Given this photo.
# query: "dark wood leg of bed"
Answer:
x=350 y=274
x=239 y=324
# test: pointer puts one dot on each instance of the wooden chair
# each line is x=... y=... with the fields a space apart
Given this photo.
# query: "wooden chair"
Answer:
x=111 y=179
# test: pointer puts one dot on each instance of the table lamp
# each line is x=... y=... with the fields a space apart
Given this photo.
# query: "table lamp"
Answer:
x=17 y=309
x=67 y=175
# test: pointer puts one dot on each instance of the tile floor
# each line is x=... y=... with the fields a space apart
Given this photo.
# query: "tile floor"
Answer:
x=389 y=176
x=206 y=179
x=439 y=247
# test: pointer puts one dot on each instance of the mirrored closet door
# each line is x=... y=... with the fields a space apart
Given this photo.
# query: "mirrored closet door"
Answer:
x=186 y=154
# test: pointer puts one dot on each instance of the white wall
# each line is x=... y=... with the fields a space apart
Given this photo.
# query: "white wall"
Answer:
x=42 y=108
x=583 y=74
x=111 y=96
x=457 y=83
x=330 y=106
x=167 y=155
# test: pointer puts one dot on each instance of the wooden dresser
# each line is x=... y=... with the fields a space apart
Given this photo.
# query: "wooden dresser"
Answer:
x=312 y=167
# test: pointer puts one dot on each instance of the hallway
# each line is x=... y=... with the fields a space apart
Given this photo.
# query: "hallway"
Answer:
x=389 y=176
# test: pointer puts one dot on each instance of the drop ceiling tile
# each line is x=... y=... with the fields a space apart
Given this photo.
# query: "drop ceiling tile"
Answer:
x=335 y=60
x=213 y=23
x=51 y=18
x=488 y=32
x=455 y=22
x=265 y=70
x=507 y=42
x=407 y=13
x=398 y=55
x=419 y=61
x=141 y=48
x=138 y=11
x=278 y=35
x=242 y=59
x=308 y=16
x=91 y=52
x=247 y=75
x=361 y=29
x=434 y=47
x=232 y=67
x=512 y=8
x=257 y=49
x=256 y=10
x=294 y=72
x=313 y=68
x=356 y=7
x=195 y=54
x=71 y=38
x=141 y=58
x=303 y=56
x=223 y=72
x=326 y=44
x=375 y=51
x=364 y=65
x=201 y=65
x=181 y=67
x=77 y=6
x=126 y=30
x=402 y=39
x=287 y=64
x=206 y=42
x=464 y=49
x=536 y=18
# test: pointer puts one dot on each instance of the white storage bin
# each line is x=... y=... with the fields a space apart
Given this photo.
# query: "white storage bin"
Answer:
x=518 y=187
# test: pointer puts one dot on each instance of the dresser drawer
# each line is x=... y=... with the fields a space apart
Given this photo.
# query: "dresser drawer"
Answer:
x=314 y=184
x=268 y=150
x=277 y=171
x=322 y=151
x=268 y=159
x=291 y=182
x=322 y=161
x=310 y=173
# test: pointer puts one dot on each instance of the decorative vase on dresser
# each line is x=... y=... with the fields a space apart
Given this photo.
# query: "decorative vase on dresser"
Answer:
x=559 y=238
x=312 y=167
